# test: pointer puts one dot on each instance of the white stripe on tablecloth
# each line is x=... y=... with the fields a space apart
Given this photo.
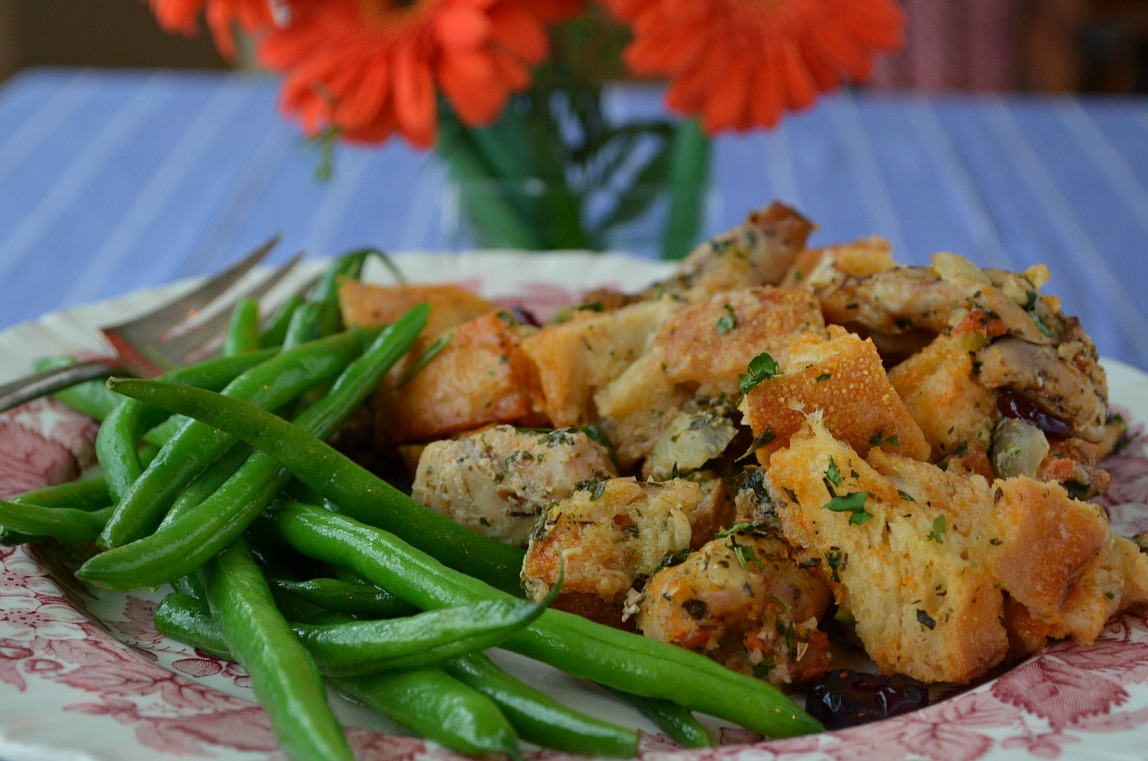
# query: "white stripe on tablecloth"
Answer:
x=874 y=193
x=779 y=167
x=54 y=112
x=153 y=197
x=1062 y=215
x=77 y=180
x=926 y=122
x=1106 y=159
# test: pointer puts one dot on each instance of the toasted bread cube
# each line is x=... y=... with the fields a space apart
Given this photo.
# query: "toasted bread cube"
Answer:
x=572 y=360
x=709 y=344
x=367 y=304
x=903 y=546
x=843 y=380
x=741 y=600
x=610 y=534
x=478 y=378
x=941 y=392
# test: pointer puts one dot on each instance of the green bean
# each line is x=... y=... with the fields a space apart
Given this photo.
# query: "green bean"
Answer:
x=422 y=701
x=87 y=494
x=677 y=722
x=118 y=441
x=425 y=639
x=283 y=675
x=612 y=657
x=195 y=446
x=275 y=331
x=307 y=324
x=537 y=717
x=345 y=597
x=91 y=398
x=440 y=708
x=190 y=540
x=67 y=524
x=355 y=490
x=242 y=334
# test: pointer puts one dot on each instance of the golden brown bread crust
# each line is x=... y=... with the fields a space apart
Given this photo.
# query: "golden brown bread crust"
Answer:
x=922 y=596
x=843 y=380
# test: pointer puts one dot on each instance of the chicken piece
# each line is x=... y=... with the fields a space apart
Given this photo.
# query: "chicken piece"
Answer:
x=905 y=547
x=574 y=359
x=699 y=352
x=478 y=378
x=499 y=481
x=844 y=381
x=611 y=535
x=757 y=252
x=742 y=601
x=1061 y=389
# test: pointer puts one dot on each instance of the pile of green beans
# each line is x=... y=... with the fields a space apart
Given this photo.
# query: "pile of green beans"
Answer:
x=201 y=473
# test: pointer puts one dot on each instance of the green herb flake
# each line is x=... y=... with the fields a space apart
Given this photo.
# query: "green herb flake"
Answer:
x=824 y=377
x=832 y=474
x=853 y=503
x=940 y=526
x=728 y=321
x=880 y=438
x=759 y=441
x=761 y=367
x=595 y=486
x=836 y=560
x=925 y=620
x=905 y=496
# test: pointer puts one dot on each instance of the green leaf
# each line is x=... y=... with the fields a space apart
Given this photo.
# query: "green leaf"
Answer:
x=854 y=503
x=761 y=367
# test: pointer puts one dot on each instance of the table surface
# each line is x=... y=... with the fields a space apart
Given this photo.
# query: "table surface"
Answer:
x=115 y=180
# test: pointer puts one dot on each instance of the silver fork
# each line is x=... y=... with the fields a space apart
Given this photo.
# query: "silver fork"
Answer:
x=165 y=337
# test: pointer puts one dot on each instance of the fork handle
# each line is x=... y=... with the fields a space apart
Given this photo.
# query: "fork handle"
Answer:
x=34 y=386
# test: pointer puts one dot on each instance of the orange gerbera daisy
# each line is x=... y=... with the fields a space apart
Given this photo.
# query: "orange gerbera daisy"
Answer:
x=740 y=63
x=375 y=67
x=222 y=15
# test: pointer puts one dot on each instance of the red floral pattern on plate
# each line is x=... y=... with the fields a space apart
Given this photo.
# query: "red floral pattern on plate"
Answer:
x=71 y=654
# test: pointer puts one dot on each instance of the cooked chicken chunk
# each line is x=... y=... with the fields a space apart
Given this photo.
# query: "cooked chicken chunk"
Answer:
x=742 y=601
x=500 y=480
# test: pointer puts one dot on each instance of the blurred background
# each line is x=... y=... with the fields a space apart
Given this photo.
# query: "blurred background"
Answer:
x=1097 y=46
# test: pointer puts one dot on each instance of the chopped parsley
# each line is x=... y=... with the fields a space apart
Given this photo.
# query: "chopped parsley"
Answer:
x=853 y=503
x=728 y=321
x=761 y=367
x=880 y=438
x=759 y=441
x=940 y=526
x=595 y=486
x=832 y=474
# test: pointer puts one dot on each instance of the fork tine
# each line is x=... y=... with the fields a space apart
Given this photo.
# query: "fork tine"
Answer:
x=170 y=314
x=176 y=348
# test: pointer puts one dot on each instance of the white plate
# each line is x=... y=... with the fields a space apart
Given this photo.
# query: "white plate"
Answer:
x=85 y=676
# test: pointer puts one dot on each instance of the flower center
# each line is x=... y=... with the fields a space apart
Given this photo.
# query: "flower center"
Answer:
x=390 y=13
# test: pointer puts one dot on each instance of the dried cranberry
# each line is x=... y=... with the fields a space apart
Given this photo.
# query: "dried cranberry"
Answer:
x=524 y=316
x=1014 y=405
x=846 y=698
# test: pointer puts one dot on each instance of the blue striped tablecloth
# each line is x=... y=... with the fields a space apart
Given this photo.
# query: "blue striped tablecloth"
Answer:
x=112 y=180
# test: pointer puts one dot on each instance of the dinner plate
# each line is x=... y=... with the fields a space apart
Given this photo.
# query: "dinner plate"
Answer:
x=84 y=675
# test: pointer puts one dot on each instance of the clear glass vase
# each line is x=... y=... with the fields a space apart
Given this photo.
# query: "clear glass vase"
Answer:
x=651 y=221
